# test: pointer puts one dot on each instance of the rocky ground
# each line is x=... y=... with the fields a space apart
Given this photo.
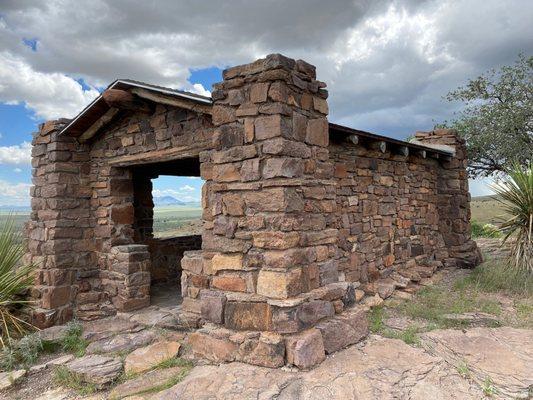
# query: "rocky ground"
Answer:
x=421 y=347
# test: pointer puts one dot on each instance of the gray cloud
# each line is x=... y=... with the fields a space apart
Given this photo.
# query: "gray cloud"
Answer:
x=387 y=63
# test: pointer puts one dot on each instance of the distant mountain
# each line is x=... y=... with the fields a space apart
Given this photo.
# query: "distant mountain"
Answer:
x=16 y=209
x=167 y=201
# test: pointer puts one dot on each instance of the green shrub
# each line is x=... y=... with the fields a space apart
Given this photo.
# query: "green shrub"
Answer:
x=15 y=279
x=515 y=192
x=486 y=230
x=73 y=341
x=20 y=353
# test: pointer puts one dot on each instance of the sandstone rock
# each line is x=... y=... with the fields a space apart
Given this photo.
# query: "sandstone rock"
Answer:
x=96 y=369
x=504 y=355
x=248 y=316
x=279 y=284
x=8 y=379
x=56 y=361
x=221 y=262
x=53 y=334
x=119 y=343
x=145 y=382
x=343 y=330
x=107 y=327
x=473 y=319
x=148 y=357
x=267 y=351
x=306 y=349
x=211 y=348
x=213 y=304
x=56 y=394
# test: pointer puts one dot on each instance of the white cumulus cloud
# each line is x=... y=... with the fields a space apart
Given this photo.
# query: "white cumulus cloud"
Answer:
x=14 y=194
x=16 y=155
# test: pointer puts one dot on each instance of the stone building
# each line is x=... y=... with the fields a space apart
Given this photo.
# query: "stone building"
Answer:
x=301 y=217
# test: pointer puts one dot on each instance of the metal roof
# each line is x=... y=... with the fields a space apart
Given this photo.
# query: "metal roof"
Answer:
x=99 y=107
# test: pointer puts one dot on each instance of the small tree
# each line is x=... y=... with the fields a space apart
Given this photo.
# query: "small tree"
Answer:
x=497 y=121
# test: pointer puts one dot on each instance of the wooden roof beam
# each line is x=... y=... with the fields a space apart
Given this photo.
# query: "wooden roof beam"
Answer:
x=172 y=101
x=99 y=123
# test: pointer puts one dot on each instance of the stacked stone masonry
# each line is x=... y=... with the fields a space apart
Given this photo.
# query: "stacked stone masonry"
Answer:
x=299 y=223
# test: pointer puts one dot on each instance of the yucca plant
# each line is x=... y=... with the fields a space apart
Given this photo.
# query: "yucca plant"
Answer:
x=14 y=280
x=515 y=192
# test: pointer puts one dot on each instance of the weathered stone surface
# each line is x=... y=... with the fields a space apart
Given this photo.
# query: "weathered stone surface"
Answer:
x=96 y=369
x=148 y=357
x=8 y=379
x=105 y=328
x=504 y=355
x=279 y=284
x=266 y=351
x=55 y=361
x=343 y=330
x=248 y=316
x=54 y=333
x=212 y=348
x=120 y=343
x=403 y=371
x=306 y=349
x=213 y=304
x=145 y=382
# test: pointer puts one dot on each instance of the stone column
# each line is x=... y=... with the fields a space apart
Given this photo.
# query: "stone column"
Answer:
x=268 y=260
x=454 y=198
x=58 y=231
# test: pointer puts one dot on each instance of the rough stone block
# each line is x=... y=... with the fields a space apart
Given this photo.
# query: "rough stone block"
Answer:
x=306 y=349
x=248 y=316
x=280 y=284
x=212 y=306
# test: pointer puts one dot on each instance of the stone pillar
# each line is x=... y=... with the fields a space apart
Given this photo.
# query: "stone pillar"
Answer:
x=268 y=260
x=129 y=268
x=58 y=232
x=453 y=198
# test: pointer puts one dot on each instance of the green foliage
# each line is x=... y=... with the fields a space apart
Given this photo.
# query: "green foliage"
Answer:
x=486 y=230
x=488 y=387
x=377 y=325
x=433 y=303
x=494 y=277
x=516 y=194
x=73 y=342
x=14 y=280
x=20 y=353
x=497 y=122
x=63 y=377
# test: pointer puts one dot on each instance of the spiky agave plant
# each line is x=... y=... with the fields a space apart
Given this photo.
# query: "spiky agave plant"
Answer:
x=515 y=192
x=14 y=280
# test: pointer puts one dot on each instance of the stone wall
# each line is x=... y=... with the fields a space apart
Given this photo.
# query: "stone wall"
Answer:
x=166 y=255
x=388 y=217
x=59 y=231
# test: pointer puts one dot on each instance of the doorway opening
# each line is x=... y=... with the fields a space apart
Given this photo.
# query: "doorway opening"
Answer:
x=167 y=203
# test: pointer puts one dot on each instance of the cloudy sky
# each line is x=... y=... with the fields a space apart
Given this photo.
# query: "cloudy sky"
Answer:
x=387 y=63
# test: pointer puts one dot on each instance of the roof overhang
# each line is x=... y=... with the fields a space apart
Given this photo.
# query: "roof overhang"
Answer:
x=99 y=112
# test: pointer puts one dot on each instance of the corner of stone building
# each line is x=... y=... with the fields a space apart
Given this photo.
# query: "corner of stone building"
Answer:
x=454 y=198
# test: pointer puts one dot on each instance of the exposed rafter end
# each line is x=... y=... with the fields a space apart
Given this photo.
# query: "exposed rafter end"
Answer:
x=123 y=99
x=403 y=150
x=353 y=139
x=423 y=153
x=379 y=145
x=100 y=122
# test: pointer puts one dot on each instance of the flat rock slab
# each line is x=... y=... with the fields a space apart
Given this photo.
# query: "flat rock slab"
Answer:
x=148 y=357
x=105 y=328
x=96 y=369
x=8 y=379
x=379 y=368
x=122 y=342
x=56 y=394
x=505 y=355
x=145 y=382
x=53 y=334
x=56 y=361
